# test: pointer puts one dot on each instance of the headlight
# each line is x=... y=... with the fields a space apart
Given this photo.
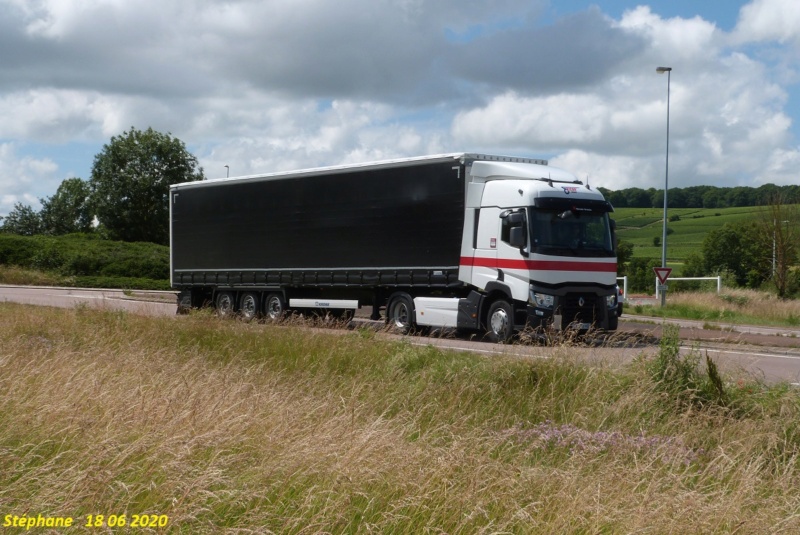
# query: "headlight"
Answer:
x=611 y=300
x=543 y=300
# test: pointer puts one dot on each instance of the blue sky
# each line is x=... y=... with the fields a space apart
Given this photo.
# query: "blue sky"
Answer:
x=265 y=86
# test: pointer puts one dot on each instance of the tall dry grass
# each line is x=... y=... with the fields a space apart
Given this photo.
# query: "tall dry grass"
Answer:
x=227 y=427
x=732 y=305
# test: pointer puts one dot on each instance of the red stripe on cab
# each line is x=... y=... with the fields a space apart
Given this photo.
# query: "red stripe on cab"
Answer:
x=541 y=265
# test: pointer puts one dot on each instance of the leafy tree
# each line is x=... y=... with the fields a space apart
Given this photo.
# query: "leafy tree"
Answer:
x=778 y=226
x=130 y=183
x=68 y=210
x=694 y=266
x=638 y=198
x=624 y=255
x=22 y=220
x=713 y=198
x=641 y=277
x=740 y=250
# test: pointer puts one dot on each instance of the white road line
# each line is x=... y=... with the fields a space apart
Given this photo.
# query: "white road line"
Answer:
x=746 y=353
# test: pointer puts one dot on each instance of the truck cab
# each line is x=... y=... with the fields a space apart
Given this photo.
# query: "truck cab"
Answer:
x=539 y=245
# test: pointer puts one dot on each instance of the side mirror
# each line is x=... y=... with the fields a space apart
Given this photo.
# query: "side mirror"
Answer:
x=516 y=237
x=516 y=218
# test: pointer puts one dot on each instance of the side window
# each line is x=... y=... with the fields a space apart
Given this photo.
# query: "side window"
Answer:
x=475 y=228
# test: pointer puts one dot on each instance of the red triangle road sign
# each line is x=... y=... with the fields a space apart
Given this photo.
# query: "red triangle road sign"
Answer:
x=662 y=273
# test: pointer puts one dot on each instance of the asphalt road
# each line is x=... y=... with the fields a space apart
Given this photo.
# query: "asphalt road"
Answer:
x=770 y=353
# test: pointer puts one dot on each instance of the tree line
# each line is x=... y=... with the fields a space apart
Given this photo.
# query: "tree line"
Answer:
x=126 y=198
x=701 y=196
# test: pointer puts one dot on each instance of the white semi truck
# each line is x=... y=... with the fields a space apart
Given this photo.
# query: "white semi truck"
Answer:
x=469 y=241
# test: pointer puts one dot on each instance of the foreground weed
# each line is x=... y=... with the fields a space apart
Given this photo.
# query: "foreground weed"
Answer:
x=679 y=376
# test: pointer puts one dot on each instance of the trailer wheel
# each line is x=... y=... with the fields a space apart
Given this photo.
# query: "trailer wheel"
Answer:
x=225 y=304
x=400 y=313
x=275 y=307
x=248 y=306
x=500 y=321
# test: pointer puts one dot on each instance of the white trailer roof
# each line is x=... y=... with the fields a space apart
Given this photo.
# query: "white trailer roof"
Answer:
x=400 y=162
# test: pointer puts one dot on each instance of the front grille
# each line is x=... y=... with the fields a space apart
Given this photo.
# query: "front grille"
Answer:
x=580 y=308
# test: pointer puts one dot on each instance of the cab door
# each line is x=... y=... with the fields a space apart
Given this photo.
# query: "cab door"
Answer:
x=487 y=236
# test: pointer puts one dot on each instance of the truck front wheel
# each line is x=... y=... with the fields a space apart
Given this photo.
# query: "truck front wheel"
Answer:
x=276 y=307
x=500 y=321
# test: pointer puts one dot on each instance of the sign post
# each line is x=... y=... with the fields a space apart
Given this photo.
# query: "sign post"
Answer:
x=663 y=274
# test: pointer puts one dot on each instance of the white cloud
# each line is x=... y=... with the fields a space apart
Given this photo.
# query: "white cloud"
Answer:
x=20 y=175
x=769 y=20
x=270 y=85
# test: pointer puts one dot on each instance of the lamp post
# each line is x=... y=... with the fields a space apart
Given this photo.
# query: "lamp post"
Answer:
x=668 y=70
x=227 y=171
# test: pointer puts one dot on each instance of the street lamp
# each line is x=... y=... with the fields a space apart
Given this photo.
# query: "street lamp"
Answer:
x=668 y=70
x=227 y=171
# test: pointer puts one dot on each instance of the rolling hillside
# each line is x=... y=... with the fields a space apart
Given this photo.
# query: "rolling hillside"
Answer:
x=640 y=226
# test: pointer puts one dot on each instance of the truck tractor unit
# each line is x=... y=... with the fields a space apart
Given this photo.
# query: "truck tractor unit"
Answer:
x=467 y=241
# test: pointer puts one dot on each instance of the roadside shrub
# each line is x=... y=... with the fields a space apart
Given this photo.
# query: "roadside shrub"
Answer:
x=17 y=250
x=85 y=255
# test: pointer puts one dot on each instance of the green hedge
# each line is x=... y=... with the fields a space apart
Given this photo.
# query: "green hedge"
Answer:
x=88 y=257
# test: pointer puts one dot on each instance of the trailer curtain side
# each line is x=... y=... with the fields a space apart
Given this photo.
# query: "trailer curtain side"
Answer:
x=387 y=218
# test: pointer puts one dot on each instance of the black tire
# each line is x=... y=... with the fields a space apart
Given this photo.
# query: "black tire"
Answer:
x=500 y=322
x=225 y=304
x=275 y=307
x=250 y=306
x=400 y=313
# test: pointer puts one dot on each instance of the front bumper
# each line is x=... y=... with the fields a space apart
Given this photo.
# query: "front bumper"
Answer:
x=574 y=307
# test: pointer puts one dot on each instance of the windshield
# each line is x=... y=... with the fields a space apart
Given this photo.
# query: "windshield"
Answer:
x=574 y=231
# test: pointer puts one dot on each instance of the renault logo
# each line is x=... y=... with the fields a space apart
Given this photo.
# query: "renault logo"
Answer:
x=581 y=302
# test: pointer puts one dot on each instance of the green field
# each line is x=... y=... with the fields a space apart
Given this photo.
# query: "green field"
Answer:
x=640 y=225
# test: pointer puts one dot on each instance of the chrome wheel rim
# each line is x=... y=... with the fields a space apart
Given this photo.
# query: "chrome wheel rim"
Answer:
x=224 y=305
x=400 y=315
x=499 y=322
x=249 y=307
x=274 y=308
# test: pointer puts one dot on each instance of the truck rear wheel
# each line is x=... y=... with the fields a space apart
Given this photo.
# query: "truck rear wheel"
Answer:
x=249 y=306
x=275 y=307
x=225 y=304
x=500 y=321
x=400 y=313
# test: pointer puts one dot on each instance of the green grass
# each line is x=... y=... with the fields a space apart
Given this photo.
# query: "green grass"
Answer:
x=640 y=225
x=234 y=427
